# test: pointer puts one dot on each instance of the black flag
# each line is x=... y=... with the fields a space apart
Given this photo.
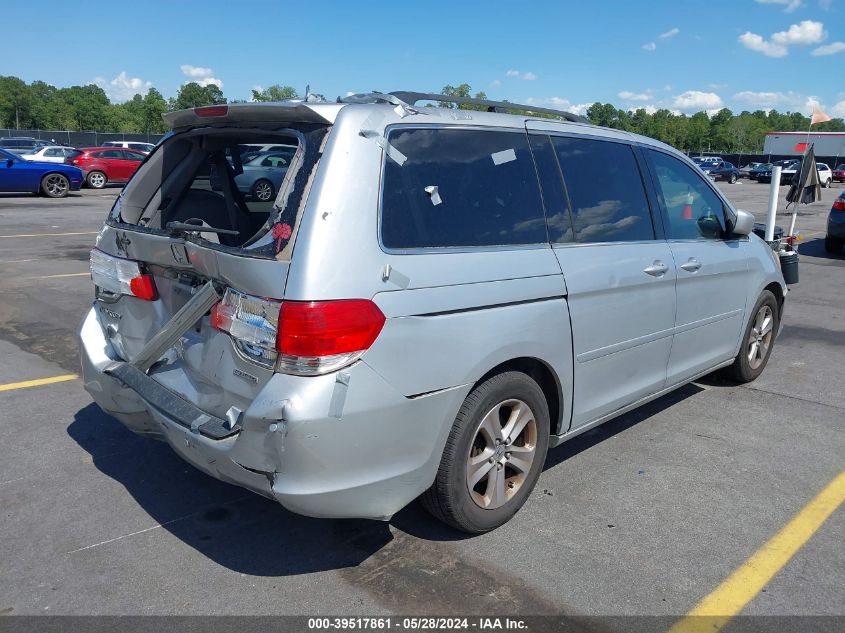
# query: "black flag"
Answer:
x=805 y=187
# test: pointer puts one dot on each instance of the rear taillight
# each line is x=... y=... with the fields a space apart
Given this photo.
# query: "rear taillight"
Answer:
x=317 y=337
x=117 y=276
x=839 y=204
x=252 y=322
x=306 y=338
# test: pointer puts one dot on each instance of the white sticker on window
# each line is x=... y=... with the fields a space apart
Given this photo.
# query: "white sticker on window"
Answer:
x=505 y=156
x=433 y=194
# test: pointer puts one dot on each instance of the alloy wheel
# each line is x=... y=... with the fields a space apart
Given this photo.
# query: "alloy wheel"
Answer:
x=760 y=337
x=501 y=454
x=55 y=185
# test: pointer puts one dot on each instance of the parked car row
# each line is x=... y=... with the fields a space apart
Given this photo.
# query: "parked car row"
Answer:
x=789 y=167
x=53 y=180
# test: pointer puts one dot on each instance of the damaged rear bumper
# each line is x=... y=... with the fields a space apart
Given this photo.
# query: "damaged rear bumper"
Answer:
x=341 y=445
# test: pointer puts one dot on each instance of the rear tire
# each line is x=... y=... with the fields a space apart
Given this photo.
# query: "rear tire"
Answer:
x=55 y=186
x=757 y=340
x=827 y=184
x=832 y=244
x=96 y=180
x=732 y=179
x=263 y=190
x=493 y=456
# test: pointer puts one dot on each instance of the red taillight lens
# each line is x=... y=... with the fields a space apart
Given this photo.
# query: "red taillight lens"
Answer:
x=839 y=204
x=327 y=328
x=143 y=287
x=118 y=276
x=216 y=110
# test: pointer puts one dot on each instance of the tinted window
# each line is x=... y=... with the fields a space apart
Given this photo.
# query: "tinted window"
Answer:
x=53 y=152
x=132 y=155
x=558 y=218
x=111 y=153
x=605 y=190
x=460 y=188
x=692 y=208
x=143 y=147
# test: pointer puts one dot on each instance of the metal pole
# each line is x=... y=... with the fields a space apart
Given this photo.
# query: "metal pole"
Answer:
x=774 y=191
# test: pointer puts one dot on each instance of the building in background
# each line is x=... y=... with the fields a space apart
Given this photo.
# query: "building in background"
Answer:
x=796 y=143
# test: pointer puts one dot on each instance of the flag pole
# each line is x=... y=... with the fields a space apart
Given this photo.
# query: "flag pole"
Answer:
x=798 y=202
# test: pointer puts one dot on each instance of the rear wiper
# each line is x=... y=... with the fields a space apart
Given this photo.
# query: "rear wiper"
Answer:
x=180 y=227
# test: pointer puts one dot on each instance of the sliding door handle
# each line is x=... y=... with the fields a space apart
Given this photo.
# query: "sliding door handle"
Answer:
x=691 y=265
x=657 y=269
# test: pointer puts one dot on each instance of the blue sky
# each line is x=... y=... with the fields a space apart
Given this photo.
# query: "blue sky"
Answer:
x=680 y=54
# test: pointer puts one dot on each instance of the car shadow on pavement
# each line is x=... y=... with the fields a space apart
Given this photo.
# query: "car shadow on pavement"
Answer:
x=815 y=248
x=247 y=533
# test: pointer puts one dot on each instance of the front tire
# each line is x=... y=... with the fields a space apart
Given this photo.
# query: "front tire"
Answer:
x=732 y=179
x=757 y=341
x=55 y=186
x=96 y=180
x=832 y=244
x=827 y=184
x=493 y=456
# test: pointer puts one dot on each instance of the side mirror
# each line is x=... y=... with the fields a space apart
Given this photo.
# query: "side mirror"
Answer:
x=744 y=223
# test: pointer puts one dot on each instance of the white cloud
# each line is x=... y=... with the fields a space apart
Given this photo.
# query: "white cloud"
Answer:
x=195 y=71
x=649 y=109
x=627 y=95
x=670 y=33
x=201 y=75
x=790 y=101
x=829 y=49
x=789 y=5
x=755 y=42
x=838 y=109
x=495 y=83
x=697 y=100
x=717 y=86
x=559 y=103
x=805 y=32
x=529 y=76
x=123 y=87
x=650 y=46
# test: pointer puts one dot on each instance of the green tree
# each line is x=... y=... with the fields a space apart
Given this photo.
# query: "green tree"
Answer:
x=192 y=95
x=15 y=102
x=275 y=93
x=154 y=107
x=463 y=90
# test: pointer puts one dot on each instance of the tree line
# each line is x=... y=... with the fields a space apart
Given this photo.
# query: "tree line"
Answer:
x=39 y=105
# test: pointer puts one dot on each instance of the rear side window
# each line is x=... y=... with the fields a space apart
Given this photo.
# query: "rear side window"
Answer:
x=110 y=153
x=458 y=187
x=605 y=190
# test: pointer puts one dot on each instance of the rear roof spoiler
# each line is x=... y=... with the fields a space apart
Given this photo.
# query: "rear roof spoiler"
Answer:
x=269 y=112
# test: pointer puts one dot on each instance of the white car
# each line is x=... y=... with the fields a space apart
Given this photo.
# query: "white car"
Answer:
x=146 y=148
x=825 y=173
x=51 y=154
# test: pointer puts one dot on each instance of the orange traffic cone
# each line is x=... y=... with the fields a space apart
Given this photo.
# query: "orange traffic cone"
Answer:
x=686 y=214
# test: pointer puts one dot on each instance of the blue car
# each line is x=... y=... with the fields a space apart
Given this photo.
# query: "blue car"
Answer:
x=54 y=180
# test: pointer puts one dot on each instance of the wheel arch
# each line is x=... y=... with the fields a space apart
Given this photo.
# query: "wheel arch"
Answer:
x=777 y=291
x=542 y=373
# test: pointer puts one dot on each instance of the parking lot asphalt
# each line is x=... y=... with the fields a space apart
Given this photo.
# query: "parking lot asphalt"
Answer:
x=645 y=515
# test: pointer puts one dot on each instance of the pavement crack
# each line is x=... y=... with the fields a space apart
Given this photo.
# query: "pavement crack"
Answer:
x=799 y=398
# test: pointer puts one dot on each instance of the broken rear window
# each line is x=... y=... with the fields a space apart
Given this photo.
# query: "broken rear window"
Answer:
x=250 y=184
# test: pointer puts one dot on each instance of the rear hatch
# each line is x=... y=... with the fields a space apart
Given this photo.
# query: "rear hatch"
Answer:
x=191 y=266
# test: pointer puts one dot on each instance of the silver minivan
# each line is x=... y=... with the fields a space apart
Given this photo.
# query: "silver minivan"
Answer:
x=433 y=299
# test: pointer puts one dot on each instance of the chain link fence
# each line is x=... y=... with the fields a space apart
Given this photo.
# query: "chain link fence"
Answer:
x=79 y=139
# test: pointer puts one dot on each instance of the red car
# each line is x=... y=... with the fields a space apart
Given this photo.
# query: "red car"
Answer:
x=102 y=165
x=839 y=173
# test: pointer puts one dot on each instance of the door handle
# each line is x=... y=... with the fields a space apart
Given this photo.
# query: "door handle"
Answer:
x=691 y=265
x=657 y=269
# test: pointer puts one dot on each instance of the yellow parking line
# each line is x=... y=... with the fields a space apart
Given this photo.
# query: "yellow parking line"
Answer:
x=731 y=597
x=49 y=234
x=38 y=382
x=87 y=274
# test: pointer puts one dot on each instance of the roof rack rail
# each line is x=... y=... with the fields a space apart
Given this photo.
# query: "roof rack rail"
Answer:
x=411 y=98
